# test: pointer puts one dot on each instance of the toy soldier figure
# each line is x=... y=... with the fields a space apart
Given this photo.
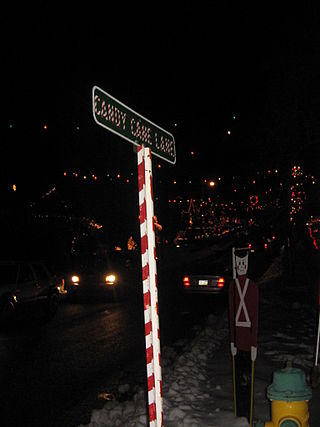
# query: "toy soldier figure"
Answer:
x=243 y=313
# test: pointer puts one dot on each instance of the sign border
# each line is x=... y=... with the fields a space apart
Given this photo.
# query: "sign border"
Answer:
x=137 y=144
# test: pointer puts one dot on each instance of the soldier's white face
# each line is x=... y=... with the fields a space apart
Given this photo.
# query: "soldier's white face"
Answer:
x=242 y=265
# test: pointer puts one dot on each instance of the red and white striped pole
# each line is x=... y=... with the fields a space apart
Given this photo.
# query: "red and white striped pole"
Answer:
x=150 y=291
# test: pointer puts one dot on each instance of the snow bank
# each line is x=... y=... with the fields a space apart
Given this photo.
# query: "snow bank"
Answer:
x=191 y=395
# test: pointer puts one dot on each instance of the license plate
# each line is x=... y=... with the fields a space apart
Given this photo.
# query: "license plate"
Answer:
x=203 y=282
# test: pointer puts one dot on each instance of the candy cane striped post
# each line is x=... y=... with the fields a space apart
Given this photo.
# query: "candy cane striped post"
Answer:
x=150 y=292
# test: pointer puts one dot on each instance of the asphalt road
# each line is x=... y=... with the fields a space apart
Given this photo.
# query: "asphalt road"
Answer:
x=47 y=368
x=53 y=372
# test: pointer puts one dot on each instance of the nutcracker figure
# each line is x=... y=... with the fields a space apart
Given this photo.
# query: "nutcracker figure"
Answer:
x=243 y=315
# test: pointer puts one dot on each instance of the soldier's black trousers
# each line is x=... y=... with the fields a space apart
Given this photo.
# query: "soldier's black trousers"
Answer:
x=243 y=383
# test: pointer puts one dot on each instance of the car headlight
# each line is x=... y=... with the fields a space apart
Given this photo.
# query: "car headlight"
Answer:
x=75 y=280
x=110 y=279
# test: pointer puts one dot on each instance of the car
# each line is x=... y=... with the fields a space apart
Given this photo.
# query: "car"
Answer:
x=94 y=279
x=268 y=243
x=23 y=283
x=267 y=240
x=206 y=278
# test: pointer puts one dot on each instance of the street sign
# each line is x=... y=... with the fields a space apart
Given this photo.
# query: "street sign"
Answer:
x=150 y=138
x=121 y=120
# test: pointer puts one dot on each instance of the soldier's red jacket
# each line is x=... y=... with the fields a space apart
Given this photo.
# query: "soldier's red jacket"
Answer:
x=243 y=313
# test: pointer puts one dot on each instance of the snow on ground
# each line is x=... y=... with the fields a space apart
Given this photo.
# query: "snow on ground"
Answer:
x=197 y=382
x=195 y=393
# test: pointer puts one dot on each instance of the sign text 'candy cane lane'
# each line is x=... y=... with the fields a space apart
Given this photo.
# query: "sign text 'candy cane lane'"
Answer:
x=123 y=121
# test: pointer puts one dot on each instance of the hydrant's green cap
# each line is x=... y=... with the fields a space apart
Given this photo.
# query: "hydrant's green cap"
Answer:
x=289 y=384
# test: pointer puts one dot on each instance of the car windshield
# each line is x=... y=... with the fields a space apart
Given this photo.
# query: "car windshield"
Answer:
x=90 y=264
x=97 y=266
x=8 y=274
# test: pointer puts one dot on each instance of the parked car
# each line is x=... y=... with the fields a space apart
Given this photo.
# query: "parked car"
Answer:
x=23 y=283
x=206 y=278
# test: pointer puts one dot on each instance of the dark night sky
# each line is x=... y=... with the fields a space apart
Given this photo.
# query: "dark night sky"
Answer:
x=187 y=67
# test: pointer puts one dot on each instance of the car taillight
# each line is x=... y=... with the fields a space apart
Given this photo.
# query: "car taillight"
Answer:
x=220 y=282
x=186 y=281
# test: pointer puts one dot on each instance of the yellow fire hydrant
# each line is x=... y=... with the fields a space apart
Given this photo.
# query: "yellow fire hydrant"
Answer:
x=289 y=395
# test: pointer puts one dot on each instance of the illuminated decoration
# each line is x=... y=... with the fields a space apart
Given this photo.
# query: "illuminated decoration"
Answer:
x=254 y=201
x=95 y=177
x=93 y=224
x=48 y=193
x=298 y=195
x=313 y=225
x=267 y=187
x=213 y=214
